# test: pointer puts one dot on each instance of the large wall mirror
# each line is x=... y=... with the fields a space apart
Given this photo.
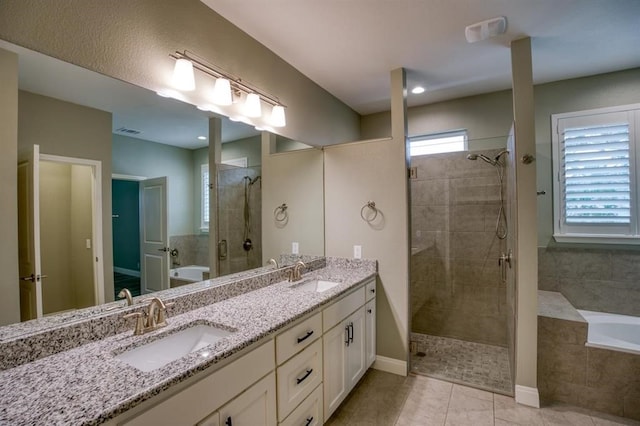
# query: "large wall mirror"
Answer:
x=121 y=161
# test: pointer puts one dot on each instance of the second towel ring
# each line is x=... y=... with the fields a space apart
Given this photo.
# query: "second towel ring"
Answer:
x=371 y=205
x=280 y=213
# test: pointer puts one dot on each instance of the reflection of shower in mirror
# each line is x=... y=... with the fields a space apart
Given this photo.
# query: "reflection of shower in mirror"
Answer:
x=247 y=244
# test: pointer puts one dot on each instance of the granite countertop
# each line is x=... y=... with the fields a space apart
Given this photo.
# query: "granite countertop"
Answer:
x=88 y=385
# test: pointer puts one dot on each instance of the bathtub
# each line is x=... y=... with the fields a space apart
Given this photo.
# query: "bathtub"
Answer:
x=192 y=273
x=612 y=331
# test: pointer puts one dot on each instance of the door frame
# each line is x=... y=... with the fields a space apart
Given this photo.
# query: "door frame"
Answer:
x=96 y=213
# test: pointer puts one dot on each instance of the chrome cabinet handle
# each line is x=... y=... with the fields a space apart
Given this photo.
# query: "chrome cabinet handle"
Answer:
x=350 y=332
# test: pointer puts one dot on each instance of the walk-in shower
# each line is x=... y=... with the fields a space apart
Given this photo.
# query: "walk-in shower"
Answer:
x=459 y=329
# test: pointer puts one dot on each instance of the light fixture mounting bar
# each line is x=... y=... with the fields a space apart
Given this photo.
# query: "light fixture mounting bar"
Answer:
x=215 y=72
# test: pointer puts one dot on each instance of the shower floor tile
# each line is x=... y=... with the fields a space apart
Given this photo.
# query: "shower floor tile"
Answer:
x=473 y=364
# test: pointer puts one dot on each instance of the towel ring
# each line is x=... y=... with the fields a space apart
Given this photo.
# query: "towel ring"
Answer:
x=371 y=205
x=280 y=213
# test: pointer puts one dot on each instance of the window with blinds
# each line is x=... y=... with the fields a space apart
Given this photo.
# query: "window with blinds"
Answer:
x=594 y=162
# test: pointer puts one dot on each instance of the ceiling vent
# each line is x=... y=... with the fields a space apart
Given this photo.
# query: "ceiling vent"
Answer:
x=485 y=29
x=128 y=131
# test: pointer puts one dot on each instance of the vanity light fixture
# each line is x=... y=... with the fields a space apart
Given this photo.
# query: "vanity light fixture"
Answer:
x=252 y=107
x=183 y=78
x=277 y=116
x=227 y=88
x=222 y=92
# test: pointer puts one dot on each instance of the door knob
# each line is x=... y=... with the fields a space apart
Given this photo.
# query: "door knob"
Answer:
x=29 y=278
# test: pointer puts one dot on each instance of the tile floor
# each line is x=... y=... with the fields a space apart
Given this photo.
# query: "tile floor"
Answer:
x=482 y=366
x=387 y=399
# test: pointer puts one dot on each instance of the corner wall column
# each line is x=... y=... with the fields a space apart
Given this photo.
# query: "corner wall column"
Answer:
x=10 y=300
x=526 y=252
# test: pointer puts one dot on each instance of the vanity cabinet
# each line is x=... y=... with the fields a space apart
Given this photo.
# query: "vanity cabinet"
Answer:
x=297 y=378
x=349 y=344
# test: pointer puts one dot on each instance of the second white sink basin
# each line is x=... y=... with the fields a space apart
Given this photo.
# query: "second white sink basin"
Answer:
x=317 y=286
x=172 y=347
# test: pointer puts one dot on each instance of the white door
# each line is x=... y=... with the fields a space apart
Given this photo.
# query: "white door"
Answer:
x=29 y=236
x=334 y=353
x=154 y=241
x=356 y=350
x=254 y=407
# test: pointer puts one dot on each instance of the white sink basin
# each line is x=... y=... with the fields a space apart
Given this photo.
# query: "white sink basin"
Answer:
x=172 y=347
x=317 y=286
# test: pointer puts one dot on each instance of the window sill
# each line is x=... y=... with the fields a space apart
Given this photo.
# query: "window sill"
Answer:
x=204 y=230
x=597 y=239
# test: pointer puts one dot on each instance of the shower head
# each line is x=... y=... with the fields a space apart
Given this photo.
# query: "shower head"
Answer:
x=483 y=158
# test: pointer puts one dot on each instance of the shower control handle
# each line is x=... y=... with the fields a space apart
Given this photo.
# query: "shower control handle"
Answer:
x=505 y=259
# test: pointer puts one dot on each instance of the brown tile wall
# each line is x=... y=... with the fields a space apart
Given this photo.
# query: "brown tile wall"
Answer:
x=456 y=289
x=593 y=279
x=593 y=378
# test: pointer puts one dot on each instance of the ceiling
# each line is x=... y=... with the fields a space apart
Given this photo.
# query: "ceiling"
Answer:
x=349 y=47
x=158 y=119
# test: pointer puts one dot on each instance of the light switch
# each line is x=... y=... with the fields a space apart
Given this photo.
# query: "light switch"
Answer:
x=357 y=252
x=88 y=243
x=294 y=248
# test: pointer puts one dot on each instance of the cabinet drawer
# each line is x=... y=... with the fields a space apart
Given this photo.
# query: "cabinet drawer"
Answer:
x=342 y=308
x=298 y=377
x=309 y=413
x=370 y=289
x=298 y=337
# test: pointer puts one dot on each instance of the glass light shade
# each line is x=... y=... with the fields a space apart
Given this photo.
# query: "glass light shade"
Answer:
x=183 y=78
x=252 y=107
x=277 y=116
x=222 y=92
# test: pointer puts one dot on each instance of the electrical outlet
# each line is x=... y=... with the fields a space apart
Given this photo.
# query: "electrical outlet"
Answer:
x=357 y=252
x=295 y=248
x=414 y=347
x=413 y=173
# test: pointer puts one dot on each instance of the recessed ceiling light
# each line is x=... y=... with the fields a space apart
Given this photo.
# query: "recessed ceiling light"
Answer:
x=417 y=90
x=202 y=138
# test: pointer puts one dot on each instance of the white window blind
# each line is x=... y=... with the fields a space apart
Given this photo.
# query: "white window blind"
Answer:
x=452 y=141
x=597 y=174
x=596 y=188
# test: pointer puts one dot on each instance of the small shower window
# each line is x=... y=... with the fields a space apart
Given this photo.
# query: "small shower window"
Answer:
x=594 y=160
x=437 y=143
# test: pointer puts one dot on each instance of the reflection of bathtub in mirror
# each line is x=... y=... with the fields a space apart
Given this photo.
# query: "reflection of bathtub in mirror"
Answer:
x=187 y=275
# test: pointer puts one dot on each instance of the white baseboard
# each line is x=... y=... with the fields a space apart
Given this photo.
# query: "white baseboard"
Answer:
x=126 y=271
x=390 y=365
x=527 y=396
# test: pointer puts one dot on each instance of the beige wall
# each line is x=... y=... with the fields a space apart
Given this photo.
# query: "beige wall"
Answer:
x=487 y=119
x=10 y=300
x=294 y=178
x=132 y=40
x=81 y=259
x=604 y=90
x=65 y=129
x=247 y=147
x=376 y=170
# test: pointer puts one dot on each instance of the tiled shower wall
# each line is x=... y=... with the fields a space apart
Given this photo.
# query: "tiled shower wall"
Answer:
x=603 y=280
x=192 y=250
x=456 y=288
x=231 y=187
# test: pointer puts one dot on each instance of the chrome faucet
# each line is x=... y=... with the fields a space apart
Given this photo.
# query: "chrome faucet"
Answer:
x=151 y=318
x=295 y=274
x=273 y=262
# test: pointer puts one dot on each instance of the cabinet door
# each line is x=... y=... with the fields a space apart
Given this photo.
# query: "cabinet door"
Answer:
x=254 y=407
x=356 y=349
x=370 y=332
x=335 y=367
